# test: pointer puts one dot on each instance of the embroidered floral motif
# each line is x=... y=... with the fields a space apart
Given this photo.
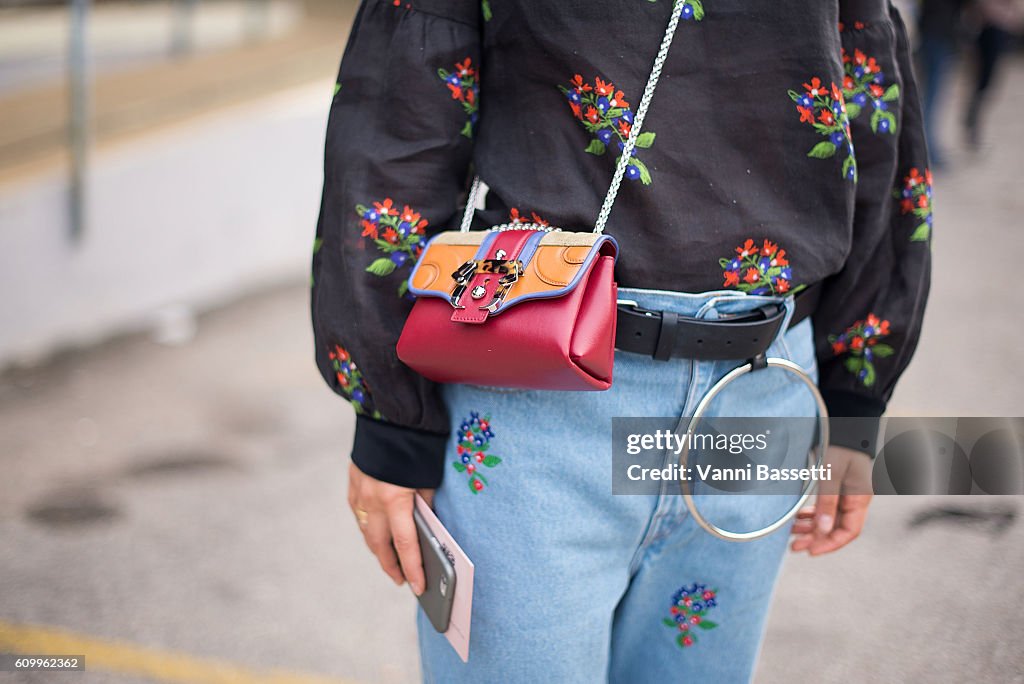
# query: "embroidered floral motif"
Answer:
x=350 y=379
x=760 y=270
x=462 y=82
x=692 y=9
x=916 y=198
x=690 y=605
x=398 y=234
x=515 y=217
x=606 y=115
x=864 y=82
x=475 y=435
x=824 y=109
x=857 y=26
x=861 y=342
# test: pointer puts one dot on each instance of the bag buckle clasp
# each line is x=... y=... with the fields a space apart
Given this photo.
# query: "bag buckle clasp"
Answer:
x=509 y=271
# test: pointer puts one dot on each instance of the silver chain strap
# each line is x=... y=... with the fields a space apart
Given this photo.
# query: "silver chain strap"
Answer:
x=627 y=149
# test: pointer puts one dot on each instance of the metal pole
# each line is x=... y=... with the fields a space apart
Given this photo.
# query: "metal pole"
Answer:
x=78 y=129
x=183 y=28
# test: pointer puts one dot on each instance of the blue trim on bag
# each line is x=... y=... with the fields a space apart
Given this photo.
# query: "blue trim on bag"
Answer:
x=531 y=245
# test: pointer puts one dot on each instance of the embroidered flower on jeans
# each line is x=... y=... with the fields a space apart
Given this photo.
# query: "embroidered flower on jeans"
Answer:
x=865 y=83
x=350 y=380
x=692 y=10
x=475 y=435
x=861 y=343
x=916 y=198
x=690 y=606
x=606 y=115
x=760 y=270
x=824 y=109
x=398 y=234
x=462 y=82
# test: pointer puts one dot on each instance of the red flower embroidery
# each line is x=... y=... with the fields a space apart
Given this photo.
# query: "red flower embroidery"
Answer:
x=578 y=82
x=862 y=342
x=815 y=88
x=462 y=83
x=748 y=249
x=690 y=607
x=916 y=198
x=386 y=208
x=763 y=270
x=476 y=436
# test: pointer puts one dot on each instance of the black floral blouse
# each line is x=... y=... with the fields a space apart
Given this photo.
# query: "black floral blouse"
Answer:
x=783 y=146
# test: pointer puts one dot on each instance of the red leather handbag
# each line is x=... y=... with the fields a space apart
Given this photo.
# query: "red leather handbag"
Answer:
x=522 y=305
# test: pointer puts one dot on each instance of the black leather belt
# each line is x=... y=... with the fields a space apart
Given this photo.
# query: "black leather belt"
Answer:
x=664 y=334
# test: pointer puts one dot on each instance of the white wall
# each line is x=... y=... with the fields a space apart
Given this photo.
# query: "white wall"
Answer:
x=190 y=215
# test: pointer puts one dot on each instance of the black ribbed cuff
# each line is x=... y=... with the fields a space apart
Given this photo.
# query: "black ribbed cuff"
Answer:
x=402 y=456
x=854 y=420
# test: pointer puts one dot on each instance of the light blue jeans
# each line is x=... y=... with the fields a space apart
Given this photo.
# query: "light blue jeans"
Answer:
x=574 y=584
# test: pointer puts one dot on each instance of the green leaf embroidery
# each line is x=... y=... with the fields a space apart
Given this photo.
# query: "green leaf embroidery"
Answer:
x=892 y=93
x=847 y=163
x=869 y=377
x=669 y=622
x=461 y=467
x=645 y=139
x=707 y=624
x=491 y=461
x=823 y=150
x=645 y=175
x=486 y=8
x=596 y=147
x=921 y=233
x=337 y=87
x=381 y=267
x=698 y=9
x=882 y=350
x=852 y=110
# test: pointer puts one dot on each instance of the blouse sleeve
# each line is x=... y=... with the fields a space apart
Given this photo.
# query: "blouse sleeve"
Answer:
x=869 y=319
x=397 y=154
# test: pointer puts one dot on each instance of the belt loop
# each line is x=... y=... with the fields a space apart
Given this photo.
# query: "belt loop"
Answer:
x=666 y=335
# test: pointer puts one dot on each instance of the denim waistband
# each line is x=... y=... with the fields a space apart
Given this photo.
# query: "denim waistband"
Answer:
x=710 y=305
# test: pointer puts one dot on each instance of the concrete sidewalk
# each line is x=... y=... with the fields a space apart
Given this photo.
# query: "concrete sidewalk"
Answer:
x=189 y=501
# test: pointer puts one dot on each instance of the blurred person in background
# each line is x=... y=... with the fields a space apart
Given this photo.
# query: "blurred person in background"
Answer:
x=939 y=27
x=784 y=150
x=999 y=23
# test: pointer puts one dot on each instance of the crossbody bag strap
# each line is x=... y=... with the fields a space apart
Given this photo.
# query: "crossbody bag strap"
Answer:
x=627 y=149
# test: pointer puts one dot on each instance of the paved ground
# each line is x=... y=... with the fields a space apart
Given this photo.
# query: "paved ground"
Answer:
x=180 y=510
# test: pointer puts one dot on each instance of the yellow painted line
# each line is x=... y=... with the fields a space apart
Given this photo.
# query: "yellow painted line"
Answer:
x=138 y=661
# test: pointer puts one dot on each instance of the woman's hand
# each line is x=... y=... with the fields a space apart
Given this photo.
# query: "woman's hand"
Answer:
x=841 y=507
x=384 y=514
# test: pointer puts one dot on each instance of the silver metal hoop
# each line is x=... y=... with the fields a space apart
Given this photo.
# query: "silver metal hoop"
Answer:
x=702 y=406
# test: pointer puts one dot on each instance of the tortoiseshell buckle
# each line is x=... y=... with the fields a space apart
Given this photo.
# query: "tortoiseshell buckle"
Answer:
x=508 y=269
